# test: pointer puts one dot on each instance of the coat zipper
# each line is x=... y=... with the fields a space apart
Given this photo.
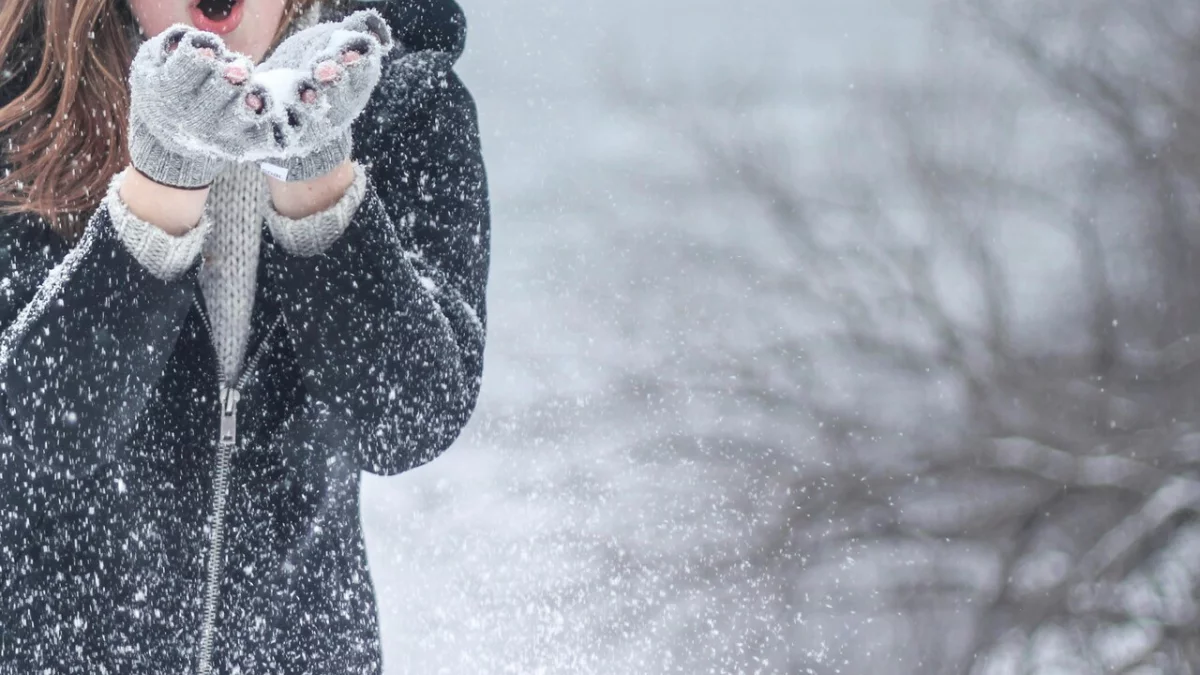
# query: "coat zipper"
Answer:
x=229 y=399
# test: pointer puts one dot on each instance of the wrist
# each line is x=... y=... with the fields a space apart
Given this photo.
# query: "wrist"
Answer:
x=298 y=199
x=172 y=210
x=169 y=166
x=315 y=163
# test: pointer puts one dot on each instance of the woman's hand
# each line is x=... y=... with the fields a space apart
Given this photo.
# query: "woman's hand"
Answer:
x=192 y=108
x=317 y=82
x=188 y=94
x=195 y=106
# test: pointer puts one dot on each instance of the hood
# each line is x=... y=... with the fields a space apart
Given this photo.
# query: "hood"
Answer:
x=421 y=25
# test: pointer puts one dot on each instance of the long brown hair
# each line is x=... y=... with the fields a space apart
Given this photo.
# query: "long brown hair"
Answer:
x=64 y=136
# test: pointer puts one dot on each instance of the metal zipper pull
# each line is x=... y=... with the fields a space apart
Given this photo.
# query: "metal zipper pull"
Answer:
x=229 y=401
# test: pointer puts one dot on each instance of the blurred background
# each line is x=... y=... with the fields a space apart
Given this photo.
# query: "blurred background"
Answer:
x=825 y=337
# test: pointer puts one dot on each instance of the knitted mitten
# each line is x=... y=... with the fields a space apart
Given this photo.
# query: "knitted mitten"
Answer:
x=316 y=82
x=190 y=112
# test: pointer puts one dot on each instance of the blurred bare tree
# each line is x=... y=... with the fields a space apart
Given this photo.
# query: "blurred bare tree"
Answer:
x=943 y=377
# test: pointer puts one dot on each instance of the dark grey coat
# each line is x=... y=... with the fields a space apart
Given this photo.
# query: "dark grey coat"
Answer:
x=370 y=359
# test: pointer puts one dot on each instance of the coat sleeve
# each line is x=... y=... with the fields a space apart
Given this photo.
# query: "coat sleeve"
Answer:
x=87 y=332
x=389 y=322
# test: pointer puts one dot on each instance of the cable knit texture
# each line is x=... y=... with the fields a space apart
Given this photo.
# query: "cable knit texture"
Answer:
x=228 y=278
x=314 y=234
x=166 y=256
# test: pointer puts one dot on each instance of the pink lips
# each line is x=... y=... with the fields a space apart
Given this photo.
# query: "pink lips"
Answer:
x=220 y=27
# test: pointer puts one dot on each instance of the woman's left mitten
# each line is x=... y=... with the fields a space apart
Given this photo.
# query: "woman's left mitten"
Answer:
x=319 y=80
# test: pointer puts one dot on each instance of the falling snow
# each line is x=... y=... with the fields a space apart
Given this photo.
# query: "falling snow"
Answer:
x=821 y=337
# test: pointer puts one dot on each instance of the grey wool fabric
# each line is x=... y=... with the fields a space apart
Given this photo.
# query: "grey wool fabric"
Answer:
x=229 y=237
x=189 y=118
x=314 y=134
x=180 y=127
x=166 y=256
x=229 y=272
x=312 y=235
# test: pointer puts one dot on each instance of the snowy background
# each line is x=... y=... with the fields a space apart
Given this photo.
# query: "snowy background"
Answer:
x=825 y=337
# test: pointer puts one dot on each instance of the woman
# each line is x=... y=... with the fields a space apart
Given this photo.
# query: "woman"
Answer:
x=228 y=284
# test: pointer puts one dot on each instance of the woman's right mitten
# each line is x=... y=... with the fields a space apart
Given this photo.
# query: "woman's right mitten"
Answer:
x=190 y=113
x=317 y=82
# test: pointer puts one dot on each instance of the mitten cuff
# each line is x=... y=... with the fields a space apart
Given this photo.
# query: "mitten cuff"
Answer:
x=317 y=163
x=312 y=235
x=164 y=255
x=166 y=167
